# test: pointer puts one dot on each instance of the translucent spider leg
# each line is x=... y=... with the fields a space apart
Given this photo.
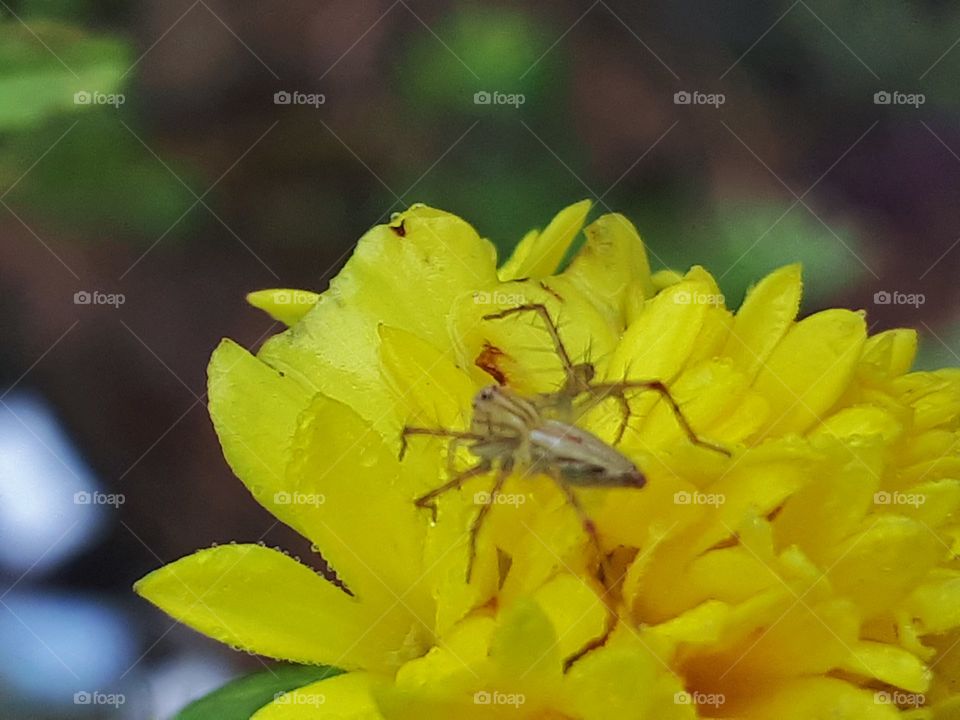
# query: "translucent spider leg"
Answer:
x=540 y=310
x=618 y=391
x=433 y=432
x=477 y=523
x=589 y=527
x=426 y=500
x=612 y=617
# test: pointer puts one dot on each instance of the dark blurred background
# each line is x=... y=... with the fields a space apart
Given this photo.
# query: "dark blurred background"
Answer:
x=151 y=175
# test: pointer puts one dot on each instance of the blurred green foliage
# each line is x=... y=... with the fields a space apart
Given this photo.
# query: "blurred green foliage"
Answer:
x=99 y=177
x=241 y=698
x=43 y=66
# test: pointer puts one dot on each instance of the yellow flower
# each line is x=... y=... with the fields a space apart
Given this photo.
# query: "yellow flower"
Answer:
x=812 y=574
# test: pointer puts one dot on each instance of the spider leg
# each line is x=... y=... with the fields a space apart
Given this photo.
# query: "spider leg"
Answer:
x=433 y=432
x=619 y=388
x=427 y=500
x=477 y=523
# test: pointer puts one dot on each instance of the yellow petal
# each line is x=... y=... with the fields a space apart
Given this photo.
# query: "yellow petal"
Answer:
x=830 y=506
x=861 y=421
x=764 y=318
x=517 y=350
x=427 y=382
x=624 y=680
x=283 y=304
x=810 y=369
x=255 y=435
x=406 y=275
x=817 y=698
x=258 y=599
x=577 y=613
x=524 y=645
x=344 y=697
x=612 y=266
x=889 y=664
x=879 y=566
x=539 y=254
x=659 y=341
x=887 y=355
x=936 y=604
x=342 y=477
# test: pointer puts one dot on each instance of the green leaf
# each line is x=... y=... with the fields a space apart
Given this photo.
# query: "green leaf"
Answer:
x=241 y=698
x=44 y=65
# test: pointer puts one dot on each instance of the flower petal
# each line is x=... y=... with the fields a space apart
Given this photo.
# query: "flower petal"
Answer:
x=657 y=343
x=428 y=383
x=764 y=318
x=255 y=435
x=283 y=304
x=612 y=266
x=624 y=680
x=880 y=565
x=342 y=477
x=539 y=254
x=517 y=350
x=888 y=354
x=889 y=664
x=406 y=275
x=817 y=698
x=258 y=599
x=810 y=369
